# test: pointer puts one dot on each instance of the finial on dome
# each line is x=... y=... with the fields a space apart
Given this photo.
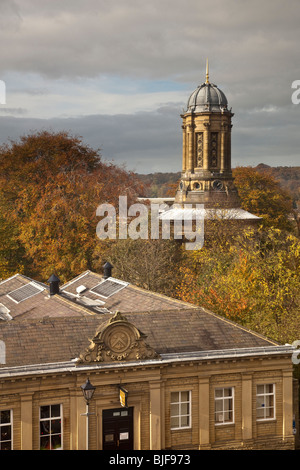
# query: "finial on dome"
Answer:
x=207 y=72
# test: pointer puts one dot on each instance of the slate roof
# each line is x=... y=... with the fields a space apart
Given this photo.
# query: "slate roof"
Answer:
x=129 y=299
x=54 y=329
x=49 y=340
x=68 y=303
x=38 y=305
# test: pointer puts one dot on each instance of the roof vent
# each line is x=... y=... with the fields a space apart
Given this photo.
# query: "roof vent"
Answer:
x=4 y=313
x=80 y=289
x=107 y=270
x=54 y=284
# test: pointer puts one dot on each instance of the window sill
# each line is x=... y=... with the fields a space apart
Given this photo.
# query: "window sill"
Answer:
x=181 y=429
x=266 y=420
x=225 y=424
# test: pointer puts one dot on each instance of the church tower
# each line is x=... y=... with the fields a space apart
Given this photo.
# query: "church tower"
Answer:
x=206 y=158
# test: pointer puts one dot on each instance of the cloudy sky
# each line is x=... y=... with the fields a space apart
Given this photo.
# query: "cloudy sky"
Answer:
x=119 y=73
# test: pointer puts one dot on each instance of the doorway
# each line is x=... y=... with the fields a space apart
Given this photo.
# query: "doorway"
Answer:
x=118 y=429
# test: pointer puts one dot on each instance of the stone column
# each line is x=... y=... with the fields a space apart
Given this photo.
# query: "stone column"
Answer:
x=228 y=150
x=206 y=135
x=26 y=421
x=203 y=412
x=184 y=139
x=246 y=406
x=190 y=166
x=155 y=416
x=287 y=403
x=223 y=147
x=74 y=396
x=81 y=424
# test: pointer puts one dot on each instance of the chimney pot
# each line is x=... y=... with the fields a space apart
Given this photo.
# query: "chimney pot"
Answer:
x=54 y=284
x=107 y=270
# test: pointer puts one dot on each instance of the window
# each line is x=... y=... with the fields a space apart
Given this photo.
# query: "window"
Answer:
x=224 y=400
x=265 y=401
x=6 y=430
x=180 y=410
x=51 y=427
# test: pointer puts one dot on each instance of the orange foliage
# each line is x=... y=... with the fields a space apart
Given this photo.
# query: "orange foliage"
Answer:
x=262 y=195
x=50 y=188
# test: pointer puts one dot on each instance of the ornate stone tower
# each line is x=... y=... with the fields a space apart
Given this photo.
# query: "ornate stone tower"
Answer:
x=206 y=163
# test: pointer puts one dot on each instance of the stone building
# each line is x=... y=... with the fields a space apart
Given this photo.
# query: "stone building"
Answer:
x=206 y=154
x=206 y=176
x=166 y=374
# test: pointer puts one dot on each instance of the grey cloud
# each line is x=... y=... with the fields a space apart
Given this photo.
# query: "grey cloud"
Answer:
x=13 y=111
x=153 y=39
x=143 y=142
x=10 y=17
x=252 y=48
x=152 y=141
x=251 y=45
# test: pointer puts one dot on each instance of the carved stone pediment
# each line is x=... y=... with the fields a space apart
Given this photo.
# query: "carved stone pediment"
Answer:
x=117 y=340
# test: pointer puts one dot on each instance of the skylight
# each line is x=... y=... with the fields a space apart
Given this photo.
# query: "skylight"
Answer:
x=24 y=292
x=109 y=287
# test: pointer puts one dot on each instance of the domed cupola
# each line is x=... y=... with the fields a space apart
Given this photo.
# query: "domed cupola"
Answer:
x=206 y=156
x=207 y=98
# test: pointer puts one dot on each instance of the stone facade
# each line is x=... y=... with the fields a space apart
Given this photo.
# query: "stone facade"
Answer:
x=193 y=380
x=206 y=162
x=149 y=393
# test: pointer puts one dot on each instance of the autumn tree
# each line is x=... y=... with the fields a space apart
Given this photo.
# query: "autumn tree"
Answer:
x=254 y=280
x=262 y=195
x=11 y=249
x=50 y=187
x=150 y=264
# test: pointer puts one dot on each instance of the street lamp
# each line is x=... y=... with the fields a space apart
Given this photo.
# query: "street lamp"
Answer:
x=88 y=391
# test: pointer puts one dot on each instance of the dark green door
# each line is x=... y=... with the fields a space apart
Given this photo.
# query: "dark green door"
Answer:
x=118 y=429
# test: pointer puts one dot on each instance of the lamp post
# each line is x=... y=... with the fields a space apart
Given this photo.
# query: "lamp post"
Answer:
x=88 y=391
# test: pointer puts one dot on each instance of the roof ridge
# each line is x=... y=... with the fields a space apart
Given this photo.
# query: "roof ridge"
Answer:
x=141 y=289
x=76 y=278
x=69 y=301
x=24 y=277
x=164 y=296
x=9 y=278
